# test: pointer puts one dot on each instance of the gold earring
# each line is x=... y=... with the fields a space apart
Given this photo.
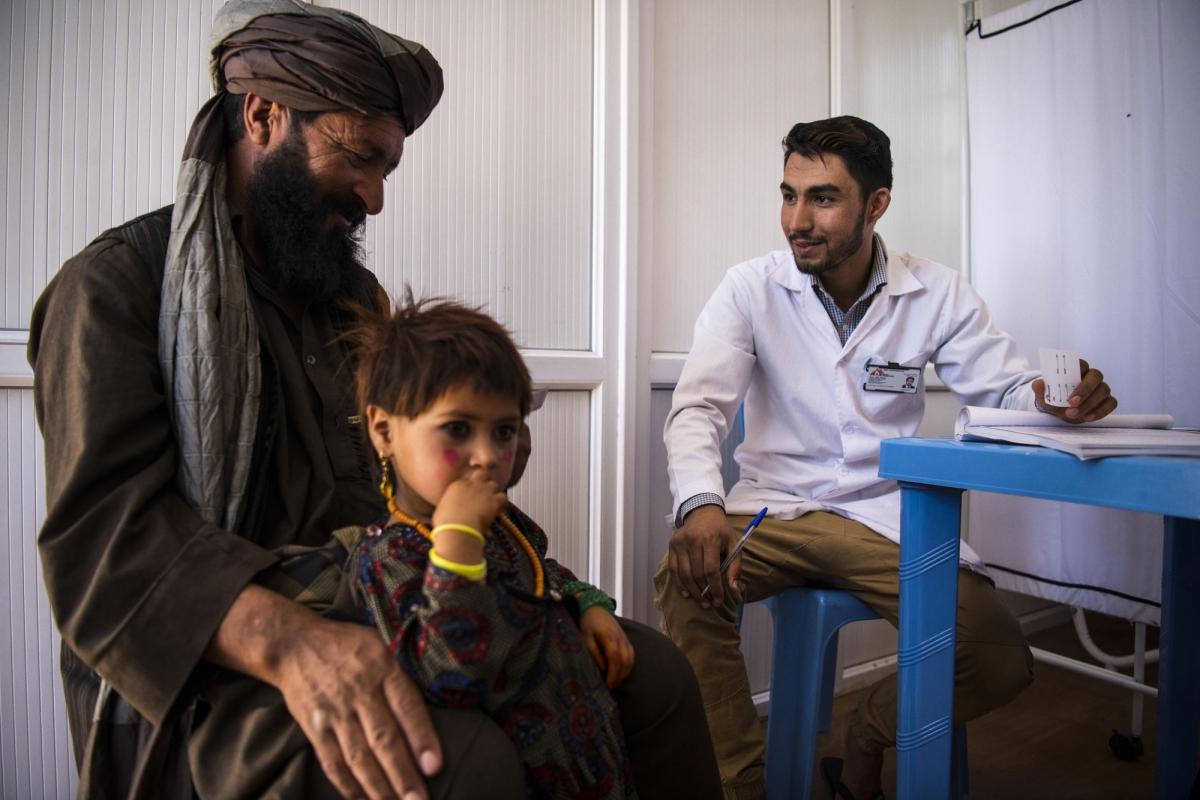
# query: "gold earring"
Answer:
x=386 y=487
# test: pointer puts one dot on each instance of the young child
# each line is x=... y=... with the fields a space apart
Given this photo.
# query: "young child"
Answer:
x=456 y=579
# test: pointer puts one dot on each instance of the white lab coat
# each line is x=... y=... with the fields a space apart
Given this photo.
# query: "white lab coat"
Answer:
x=812 y=432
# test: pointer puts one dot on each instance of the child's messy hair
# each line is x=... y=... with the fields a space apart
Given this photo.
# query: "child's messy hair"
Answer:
x=409 y=357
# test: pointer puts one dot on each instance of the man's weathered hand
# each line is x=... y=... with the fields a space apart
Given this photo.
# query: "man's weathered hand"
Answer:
x=695 y=553
x=365 y=718
x=1091 y=400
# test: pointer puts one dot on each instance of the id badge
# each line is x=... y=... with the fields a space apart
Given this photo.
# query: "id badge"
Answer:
x=891 y=377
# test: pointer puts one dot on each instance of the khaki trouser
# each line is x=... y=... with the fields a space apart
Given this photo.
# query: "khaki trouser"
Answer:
x=992 y=661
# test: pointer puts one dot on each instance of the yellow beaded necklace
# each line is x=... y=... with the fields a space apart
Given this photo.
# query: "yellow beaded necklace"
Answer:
x=539 y=577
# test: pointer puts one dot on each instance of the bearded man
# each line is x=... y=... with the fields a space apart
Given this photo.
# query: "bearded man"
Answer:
x=187 y=384
x=820 y=343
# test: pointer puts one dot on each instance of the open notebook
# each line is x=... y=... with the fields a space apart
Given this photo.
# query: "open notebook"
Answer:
x=1115 y=435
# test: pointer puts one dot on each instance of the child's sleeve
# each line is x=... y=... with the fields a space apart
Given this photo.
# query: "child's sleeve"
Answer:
x=450 y=633
x=559 y=577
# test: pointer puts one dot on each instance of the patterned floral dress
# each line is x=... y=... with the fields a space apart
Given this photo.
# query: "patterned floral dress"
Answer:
x=491 y=644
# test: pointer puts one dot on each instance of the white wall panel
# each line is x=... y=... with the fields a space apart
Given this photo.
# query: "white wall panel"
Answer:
x=729 y=80
x=97 y=99
x=900 y=65
x=35 y=745
x=492 y=202
x=554 y=490
x=494 y=197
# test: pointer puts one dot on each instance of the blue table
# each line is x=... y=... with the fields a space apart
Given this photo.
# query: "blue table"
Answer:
x=933 y=474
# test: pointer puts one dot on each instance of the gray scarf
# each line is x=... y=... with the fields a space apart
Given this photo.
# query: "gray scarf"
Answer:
x=307 y=58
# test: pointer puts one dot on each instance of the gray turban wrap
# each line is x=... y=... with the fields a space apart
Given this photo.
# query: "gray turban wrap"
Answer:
x=304 y=57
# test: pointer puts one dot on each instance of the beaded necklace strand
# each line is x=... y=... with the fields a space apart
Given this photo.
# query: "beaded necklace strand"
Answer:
x=539 y=577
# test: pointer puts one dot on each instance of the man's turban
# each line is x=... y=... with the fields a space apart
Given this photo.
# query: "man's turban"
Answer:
x=312 y=58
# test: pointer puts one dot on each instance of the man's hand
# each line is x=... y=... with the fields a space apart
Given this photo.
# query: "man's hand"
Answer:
x=365 y=718
x=695 y=553
x=1091 y=400
x=608 y=644
x=359 y=710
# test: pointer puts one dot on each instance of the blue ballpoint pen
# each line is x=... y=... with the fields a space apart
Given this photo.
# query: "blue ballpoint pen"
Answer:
x=737 y=548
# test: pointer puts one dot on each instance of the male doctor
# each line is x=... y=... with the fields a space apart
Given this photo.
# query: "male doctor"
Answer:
x=819 y=345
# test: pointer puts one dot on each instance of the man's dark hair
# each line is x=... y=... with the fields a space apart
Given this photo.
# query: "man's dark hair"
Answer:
x=409 y=358
x=235 y=126
x=866 y=150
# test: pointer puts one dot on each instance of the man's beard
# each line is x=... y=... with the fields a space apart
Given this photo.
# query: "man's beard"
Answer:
x=306 y=260
x=835 y=256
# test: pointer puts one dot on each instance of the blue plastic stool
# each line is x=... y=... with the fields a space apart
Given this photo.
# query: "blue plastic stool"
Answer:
x=803 y=668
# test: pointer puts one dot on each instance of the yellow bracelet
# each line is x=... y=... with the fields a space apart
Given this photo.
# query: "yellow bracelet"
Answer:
x=454 y=526
x=472 y=572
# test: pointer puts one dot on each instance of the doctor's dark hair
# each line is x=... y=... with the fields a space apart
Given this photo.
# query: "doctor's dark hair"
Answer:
x=409 y=357
x=865 y=149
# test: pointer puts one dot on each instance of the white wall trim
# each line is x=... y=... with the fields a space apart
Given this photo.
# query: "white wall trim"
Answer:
x=14 y=369
x=631 y=320
x=665 y=369
x=835 y=58
x=602 y=84
x=616 y=288
x=565 y=369
x=640 y=552
x=967 y=10
x=550 y=369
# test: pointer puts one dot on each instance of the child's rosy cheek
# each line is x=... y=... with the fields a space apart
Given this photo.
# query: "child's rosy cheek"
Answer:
x=450 y=456
x=507 y=455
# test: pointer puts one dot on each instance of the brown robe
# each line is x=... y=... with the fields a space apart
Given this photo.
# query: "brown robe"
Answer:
x=137 y=582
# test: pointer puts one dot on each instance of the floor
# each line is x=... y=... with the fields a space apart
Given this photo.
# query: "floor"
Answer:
x=1052 y=741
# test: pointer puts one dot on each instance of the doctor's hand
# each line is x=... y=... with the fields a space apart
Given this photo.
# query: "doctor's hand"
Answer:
x=1091 y=400
x=695 y=553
